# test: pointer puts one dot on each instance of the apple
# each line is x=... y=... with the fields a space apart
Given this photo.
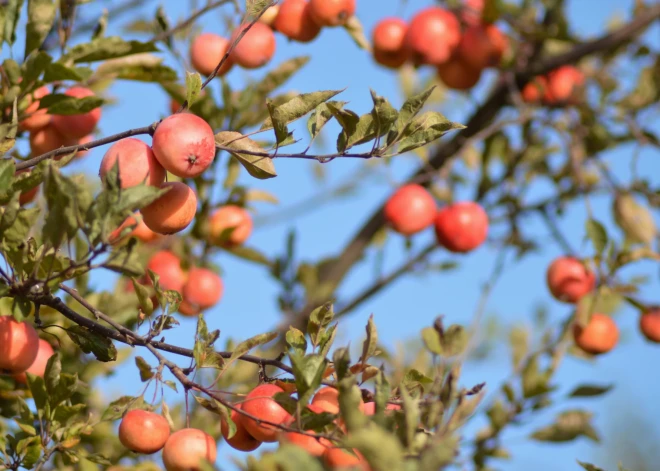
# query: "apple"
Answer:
x=327 y=399
x=295 y=21
x=241 y=440
x=143 y=432
x=649 y=325
x=185 y=449
x=563 y=84
x=599 y=336
x=203 y=288
x=535 y=90
x=47 y=139
x=259 y=403
x=173 y=211
x=482 y=46
x=184 y=144
x=77 y=126
x=137 y=163
x=461 y=227
x=206 y=52
x=312 y=445
x=168 y=267
x=569 y=280
x=388 y=39
x=370 y=408
x=230 y=225
x=38 y=118
x=256 y=48
x=38 y=366
x=457 y=74
x=331 y=12
x=433 y=35
x=340 y=458
x=19 y=345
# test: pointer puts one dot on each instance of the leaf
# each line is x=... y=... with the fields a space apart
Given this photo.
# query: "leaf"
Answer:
x=308 y=372
x=341 y=361
x=596 y=234
x=90 y=342
x=589 y=467
x=64 y=208
x=370 y=343
x=425 y=129
x=407 y=113
x=7 y=172
x=381 y=449
x=35 y=64
x=144 y=67
x=52 y=373
x=295 y=339
x=193 y=87
x=299 y=106
x=56 y=72
x=117 y=408
x=319 y=319
x=41 y=14
x=61 y=104
x=105 y=48
x=568 y=426
x=9 y=14
x=255 y=194
x=320 y=117
x=348 y=120
x=38 y=390
x=591 y=390
x=634 y=219
x=356 y=32
x=247 y=345
x=454 y=340
x=431 y=340
x=146 y=304
x=259 y=166
x=146 y=371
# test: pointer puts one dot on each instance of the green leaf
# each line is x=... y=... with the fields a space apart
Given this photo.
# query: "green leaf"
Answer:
x=247 y=345
x=299 y=106
x=370 y=343
x=56 y=72
x=381 y=449
x=91 y=342
x=250 y=254
x=320 y=117
x=117 y=408
x=597 y=235
x=356 y=32
x=41 y=14
x=16 y=223
x=7 y=172
x=146 y=371
x=61 y=104
x=568 y=426
x=295 y=339
x=341 y=361
x=308 y=372
x=66 y=387
x=589 y=467
x=454 y=340
x=146 y=304
x=431 y=340
x=9 y=14
x=259 y=166
x=105 y=48
x=407 y=113
x=326 y=340
x=67 y=202
x=193 y=87
x=278 y=122
x=35 y=64
x=425 y=129
x=53 y=372
x=319 y=319
x=591 y=390
x=279 y=75
x=348 y=120
x=38 y=389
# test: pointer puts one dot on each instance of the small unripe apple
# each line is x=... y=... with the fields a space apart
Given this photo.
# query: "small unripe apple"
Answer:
x=137 y=163
x=173 y=211
x=388 y=39
x=184 y=144
x=143 y=432
x=569 y=280
x=256 y=48
x=331 y=12
x=19 y=345
x=461 y=227
x=457 y=74
x=206 y=52
x=186 y=448
x=295 y=21
x=599 y=336
x=410 y=209
x=38 y=366
x=77 y=125
x=649 y=325
x=38 y=118
x=433 y=35
x=203 y=289
x=241 y=440
x=230 y=225
x=259 y=404
x=168 y=267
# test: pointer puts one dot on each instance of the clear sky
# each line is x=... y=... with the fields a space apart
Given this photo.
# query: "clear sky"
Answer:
x=249 y=305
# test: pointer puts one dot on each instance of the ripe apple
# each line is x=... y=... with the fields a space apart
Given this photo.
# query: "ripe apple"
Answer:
x=295 y=21
x=433 y=35
x=259 y=404
x=137 y=163
x=482 y=46
x=370 y=408
x=19 y=345
x=241 y=440
x=562 y=84
x=203 y=289
x=168 y=267
x=186 y=448
x=340 y=458
x=331 y=12
x=599 y=336
x=206 y=52
x=649 y=325
x=188 y=309
x=472 y=12
x=173 y=211
x=226 y=218
x=388 y=39
x=184 y=144
x=143 y=432
x=38 y=118
x=457 y=74
x=535 y=90
x=77 y=125
x=569 y=280
x=310 y=444
x=256 y=48
x=48 y=138
x=140 y=231
x=461 y=227
x=38 y=366
x=410 y=209
x=327 y=399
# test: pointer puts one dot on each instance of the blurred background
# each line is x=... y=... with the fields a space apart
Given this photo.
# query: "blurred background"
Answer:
x=324 y=221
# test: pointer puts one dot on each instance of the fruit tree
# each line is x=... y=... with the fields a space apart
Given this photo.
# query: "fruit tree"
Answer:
x=204 y=203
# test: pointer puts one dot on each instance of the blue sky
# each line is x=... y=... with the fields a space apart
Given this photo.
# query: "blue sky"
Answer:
x=249 y=303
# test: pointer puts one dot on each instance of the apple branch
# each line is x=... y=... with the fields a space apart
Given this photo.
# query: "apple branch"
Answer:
x=481 y=119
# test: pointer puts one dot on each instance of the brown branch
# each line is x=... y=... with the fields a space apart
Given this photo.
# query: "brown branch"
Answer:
x=190 y=20
x=481 y=118
x=120 y=335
